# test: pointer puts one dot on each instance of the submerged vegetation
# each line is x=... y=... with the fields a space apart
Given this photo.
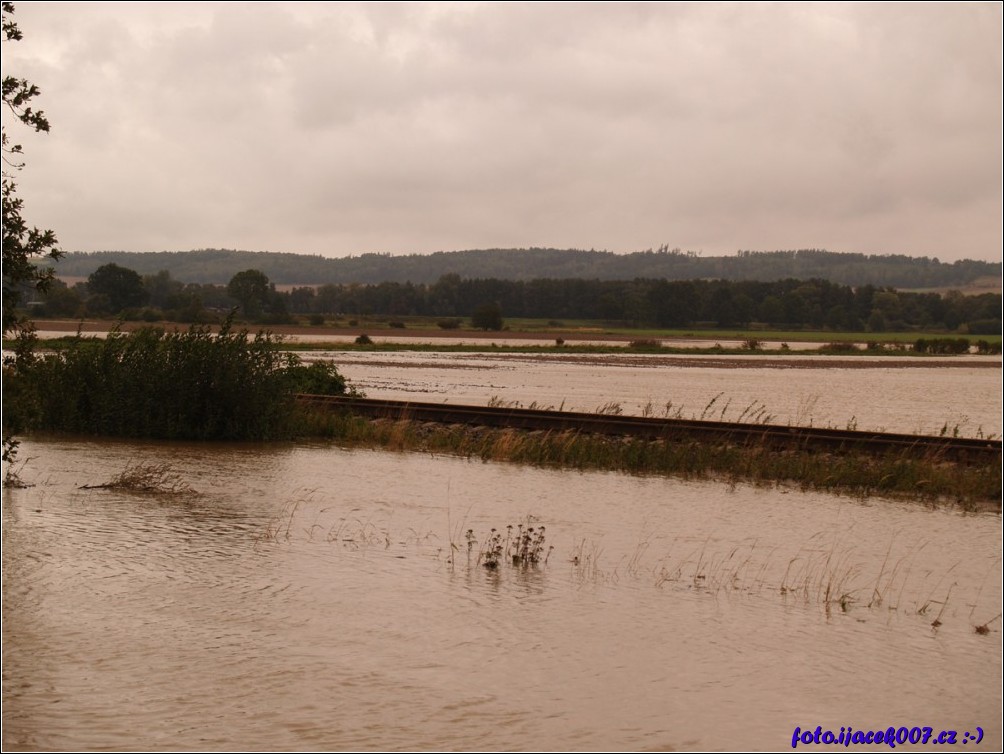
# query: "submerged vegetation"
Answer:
x=195 y=385
x=523 y=547
x=826 y=570
x=932 y=478
x=147 y=478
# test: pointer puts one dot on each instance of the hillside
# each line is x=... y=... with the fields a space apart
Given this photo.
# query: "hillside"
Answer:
x=219 y=265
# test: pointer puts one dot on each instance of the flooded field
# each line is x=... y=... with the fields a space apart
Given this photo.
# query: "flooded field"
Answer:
x=311 y=597
x=892 y=394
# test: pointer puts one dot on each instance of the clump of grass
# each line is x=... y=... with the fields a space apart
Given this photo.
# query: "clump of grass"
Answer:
x=146 y=478
x=610 y=408
x=754 y=413
x=984 y=628
x=710 y=405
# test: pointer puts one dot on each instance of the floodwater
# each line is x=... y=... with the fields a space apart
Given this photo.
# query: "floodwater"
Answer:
x=929 y=396
x=308 y=597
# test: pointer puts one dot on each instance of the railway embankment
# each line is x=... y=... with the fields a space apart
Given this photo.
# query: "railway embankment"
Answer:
x=960 y=471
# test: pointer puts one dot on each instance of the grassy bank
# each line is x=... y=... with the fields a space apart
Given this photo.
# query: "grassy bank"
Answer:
x=931 y=479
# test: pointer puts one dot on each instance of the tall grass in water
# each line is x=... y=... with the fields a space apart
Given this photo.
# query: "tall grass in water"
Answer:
x=894 y=474
x=168 y=385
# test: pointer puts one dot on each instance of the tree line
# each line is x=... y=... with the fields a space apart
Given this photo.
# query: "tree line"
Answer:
x=219 y=265
x=112 y=290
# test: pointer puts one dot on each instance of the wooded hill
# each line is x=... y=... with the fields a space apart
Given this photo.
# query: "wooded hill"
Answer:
x=220 y=265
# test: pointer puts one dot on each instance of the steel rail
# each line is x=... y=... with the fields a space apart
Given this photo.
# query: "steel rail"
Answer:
x=973 y=450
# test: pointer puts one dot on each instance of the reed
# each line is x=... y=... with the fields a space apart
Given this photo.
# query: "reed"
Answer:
x=585 y=561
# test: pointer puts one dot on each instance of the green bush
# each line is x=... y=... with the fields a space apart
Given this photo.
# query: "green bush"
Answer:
x=318 y=378
x=171 y=385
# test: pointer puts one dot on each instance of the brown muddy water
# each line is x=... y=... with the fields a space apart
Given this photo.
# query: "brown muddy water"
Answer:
x=303 y=597
x=920 y=396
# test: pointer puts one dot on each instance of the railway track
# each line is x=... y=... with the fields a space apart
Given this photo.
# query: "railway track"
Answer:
x=966 y=450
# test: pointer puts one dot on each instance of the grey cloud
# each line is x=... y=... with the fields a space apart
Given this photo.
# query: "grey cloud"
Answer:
x=344 y=128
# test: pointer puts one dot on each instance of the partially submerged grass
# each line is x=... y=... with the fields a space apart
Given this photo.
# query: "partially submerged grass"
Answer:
x=931 y=478
x=300 y=518
x=826 y=575
x=522 y=547
x=824 y=571
x=146 y=478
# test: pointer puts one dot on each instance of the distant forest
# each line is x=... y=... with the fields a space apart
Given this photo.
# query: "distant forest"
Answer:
x=218 y=266
x=116 y=291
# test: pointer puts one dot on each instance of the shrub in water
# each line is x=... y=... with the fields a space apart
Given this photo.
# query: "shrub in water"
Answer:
x=171 y=385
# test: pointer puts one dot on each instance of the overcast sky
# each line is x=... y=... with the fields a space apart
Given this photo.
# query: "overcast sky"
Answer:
x=341 y=128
